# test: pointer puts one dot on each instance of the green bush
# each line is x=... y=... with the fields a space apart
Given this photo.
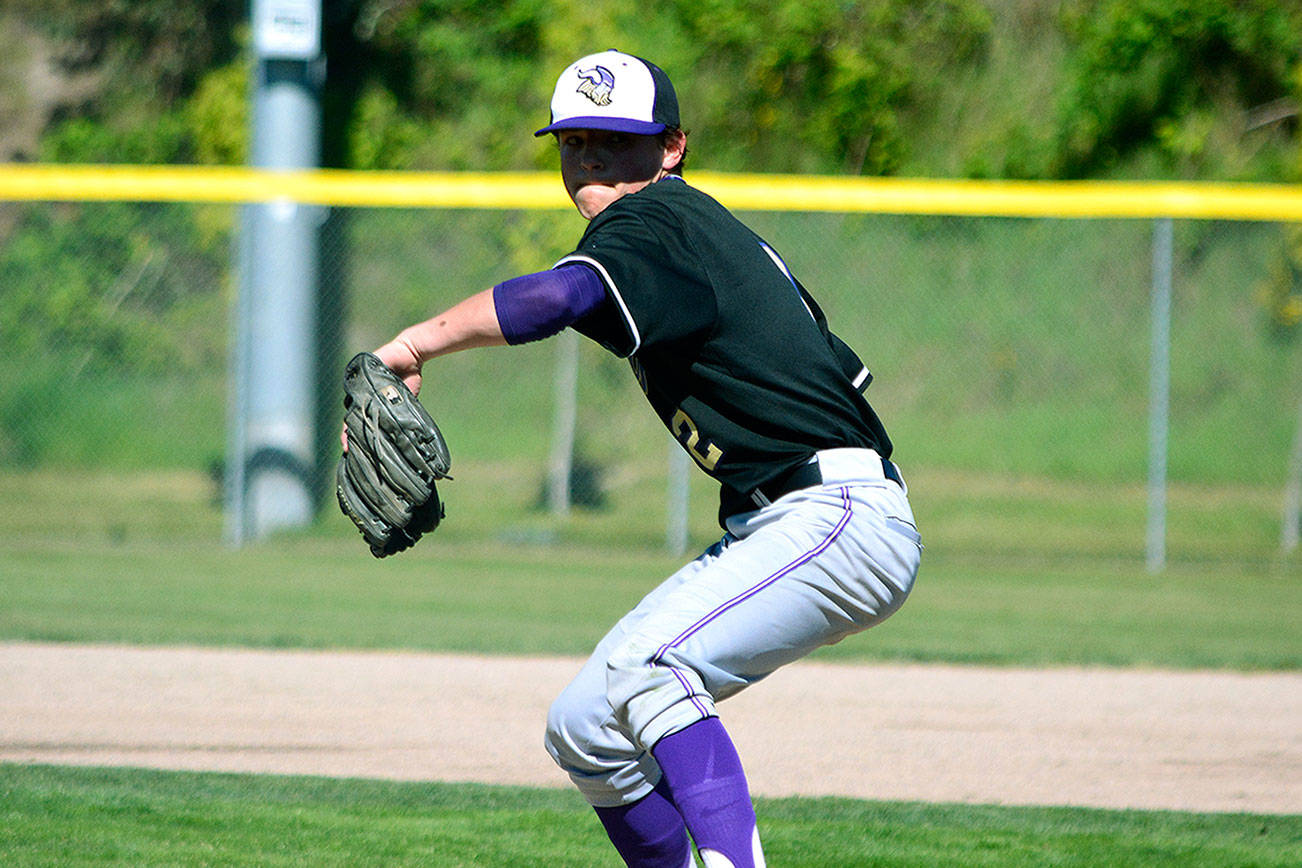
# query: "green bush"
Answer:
x=820 y=85
x=1084 y=88
x=107 y=282
x=1166 y=74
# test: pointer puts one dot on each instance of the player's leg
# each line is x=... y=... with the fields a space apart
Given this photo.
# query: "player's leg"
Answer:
x=621 y=780
x=649 y=833
x=702 y=787
x=807 y=571
x=703 y=777
x=811 y=569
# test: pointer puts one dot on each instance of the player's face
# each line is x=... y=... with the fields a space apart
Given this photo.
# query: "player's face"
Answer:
x=600 y=166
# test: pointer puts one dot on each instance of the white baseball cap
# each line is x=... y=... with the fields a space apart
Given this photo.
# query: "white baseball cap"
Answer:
x=613 y=91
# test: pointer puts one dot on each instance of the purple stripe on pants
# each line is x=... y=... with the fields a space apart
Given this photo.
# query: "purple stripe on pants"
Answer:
x=740 y=598
x=691 y=694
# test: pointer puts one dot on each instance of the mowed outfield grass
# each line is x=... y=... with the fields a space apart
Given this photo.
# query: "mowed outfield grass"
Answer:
x=321 y=594
x=1021 y=573
x=69 y=817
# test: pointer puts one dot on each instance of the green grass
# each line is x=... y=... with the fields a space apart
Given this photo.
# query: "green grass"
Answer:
x=317 y=593
x=1016 y=572
x=321 y=594
x=107 y=816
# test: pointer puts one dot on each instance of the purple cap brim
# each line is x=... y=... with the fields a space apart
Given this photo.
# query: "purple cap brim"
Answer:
x=617 y=125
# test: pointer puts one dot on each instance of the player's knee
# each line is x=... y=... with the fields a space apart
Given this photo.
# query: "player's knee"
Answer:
x=653 y=694
x=630 y=671
x=565 y=735
x=630 y=656
x=601 y=761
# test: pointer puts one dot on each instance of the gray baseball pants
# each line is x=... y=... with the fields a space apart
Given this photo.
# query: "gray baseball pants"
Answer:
x=811 y=568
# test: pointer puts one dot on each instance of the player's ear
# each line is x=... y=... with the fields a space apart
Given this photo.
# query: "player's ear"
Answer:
x=675 y=149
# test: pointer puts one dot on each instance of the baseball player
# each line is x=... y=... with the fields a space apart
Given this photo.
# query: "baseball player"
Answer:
x=736 y=358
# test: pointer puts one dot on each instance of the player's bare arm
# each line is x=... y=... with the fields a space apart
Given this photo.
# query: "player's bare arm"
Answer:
x=598 y=167
x=468 y=324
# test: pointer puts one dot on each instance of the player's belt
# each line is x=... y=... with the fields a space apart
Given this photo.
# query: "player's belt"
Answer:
x=807 y=476
x=891 y=472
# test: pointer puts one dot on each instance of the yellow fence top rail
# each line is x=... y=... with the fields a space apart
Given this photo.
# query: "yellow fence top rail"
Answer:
x=44 y=182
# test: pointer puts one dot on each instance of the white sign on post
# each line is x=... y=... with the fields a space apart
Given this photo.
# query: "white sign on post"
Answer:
x=287 y=29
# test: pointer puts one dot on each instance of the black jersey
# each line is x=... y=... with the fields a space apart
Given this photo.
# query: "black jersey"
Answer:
x=732 y=353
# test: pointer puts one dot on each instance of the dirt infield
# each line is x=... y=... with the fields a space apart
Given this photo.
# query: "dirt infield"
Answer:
x=1203 y=741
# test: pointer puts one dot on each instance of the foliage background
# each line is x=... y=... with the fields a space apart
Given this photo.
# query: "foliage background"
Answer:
x=1181 y=89
x=120 y=305
x=998 y=88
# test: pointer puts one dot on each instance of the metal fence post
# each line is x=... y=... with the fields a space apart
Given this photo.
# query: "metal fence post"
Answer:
x=271 y=450
x=1159 y=394
x=560 y=465
x=1289 y=530
x=679 y=486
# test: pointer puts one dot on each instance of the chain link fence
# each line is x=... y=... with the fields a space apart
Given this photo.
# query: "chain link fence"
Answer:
x=1011 y=359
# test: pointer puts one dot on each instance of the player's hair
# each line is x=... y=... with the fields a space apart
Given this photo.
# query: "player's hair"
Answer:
x=663 y=138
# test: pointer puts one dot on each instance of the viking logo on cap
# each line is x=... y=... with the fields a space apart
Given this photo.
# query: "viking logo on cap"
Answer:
x=596 y=84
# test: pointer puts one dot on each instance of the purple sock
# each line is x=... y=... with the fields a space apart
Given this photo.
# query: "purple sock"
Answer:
x=649 y=833
x=707 y=784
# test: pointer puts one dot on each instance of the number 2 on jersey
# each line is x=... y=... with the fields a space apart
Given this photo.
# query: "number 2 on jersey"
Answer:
x=703 y=452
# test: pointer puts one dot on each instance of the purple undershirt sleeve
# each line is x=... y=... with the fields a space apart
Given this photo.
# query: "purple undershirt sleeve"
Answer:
x=539 y=305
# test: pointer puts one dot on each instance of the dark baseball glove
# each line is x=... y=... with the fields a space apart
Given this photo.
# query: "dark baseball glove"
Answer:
x=385 y=480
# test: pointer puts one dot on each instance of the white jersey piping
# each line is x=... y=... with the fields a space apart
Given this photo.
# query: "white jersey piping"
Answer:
x=614 y=291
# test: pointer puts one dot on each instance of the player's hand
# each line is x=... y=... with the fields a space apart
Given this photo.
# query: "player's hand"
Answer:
x=401 y=358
